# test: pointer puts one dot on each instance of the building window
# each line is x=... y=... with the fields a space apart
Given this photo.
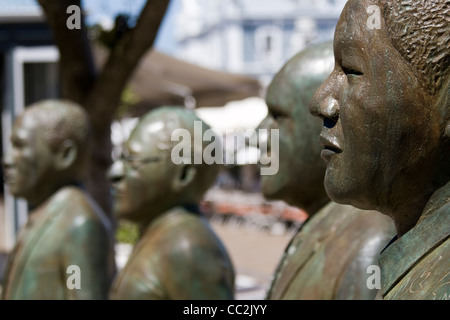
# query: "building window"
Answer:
x=268 y=48
x=269 y=43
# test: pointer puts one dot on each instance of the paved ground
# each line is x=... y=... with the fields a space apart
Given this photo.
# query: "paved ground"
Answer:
x=255 y=254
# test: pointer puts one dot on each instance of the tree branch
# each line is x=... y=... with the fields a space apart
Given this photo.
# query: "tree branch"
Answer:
x=123 y=60
x=100 y=93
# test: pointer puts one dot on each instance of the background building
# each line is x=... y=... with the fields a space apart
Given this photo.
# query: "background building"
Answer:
x=252 y=37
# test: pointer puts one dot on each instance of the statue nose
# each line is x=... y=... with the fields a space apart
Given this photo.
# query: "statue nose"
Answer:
x=330 y=113
x=325 y=106
x=116 y=172
x=330 y=109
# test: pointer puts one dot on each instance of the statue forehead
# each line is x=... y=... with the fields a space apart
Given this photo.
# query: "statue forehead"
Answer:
x=26 y=122
x=300 y=75
x=48 y=113
x=359 y=8
x=352 y=22
x=30 y=131
x=59 y=107
x=155 y=129
x=148 y=137
x=406 y=26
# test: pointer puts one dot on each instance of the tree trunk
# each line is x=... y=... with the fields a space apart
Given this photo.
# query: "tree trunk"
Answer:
x=100 y=91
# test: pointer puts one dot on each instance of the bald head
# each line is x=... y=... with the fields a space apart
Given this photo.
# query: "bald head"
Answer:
x=49 y=150
x=148 y=176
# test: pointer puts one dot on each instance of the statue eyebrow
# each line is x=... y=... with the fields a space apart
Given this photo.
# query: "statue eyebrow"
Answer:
x=352 y=57
x=347 y=46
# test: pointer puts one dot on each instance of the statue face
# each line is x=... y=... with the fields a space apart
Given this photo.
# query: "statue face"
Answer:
x=299 y=179
x=279 y=118
x=141 y=179
x=380 y=131
x=29 y=167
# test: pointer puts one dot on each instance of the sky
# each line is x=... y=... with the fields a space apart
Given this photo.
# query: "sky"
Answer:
x=104 y=11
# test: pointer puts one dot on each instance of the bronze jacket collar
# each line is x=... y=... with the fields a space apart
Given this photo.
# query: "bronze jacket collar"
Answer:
x=403 y=253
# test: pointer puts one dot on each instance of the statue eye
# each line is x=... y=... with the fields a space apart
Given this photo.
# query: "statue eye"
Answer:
x=351 y=71
x=277 y=114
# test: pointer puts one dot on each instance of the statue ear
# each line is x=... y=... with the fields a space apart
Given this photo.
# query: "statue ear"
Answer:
x=66 y=154
x=185 y=174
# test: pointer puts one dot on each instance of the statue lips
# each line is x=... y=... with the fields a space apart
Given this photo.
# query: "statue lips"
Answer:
x=329 y=148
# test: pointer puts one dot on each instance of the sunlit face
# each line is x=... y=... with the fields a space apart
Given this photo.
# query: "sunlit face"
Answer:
x=380 y=131
x=142 y=178
x=29 y=167
x=299 y=179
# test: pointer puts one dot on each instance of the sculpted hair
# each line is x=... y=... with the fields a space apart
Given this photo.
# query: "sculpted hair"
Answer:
x=60 y=120
x=420 y=31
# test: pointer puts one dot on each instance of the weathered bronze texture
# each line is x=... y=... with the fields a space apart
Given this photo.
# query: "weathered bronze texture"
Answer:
x=386 y=134
x=329 y=256
x=65 y=227
x=178 y=255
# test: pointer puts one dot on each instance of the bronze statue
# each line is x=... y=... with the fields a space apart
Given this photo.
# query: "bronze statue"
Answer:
x=386 y=134
x=178 y=256
x=66 y=248
x=329 y=256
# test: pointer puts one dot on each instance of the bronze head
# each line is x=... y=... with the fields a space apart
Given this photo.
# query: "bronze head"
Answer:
x=385 y=108
x=147 y=180
x=299 y=180
x=49 y=149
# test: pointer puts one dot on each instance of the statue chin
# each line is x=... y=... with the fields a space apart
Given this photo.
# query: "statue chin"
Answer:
x=348 y=197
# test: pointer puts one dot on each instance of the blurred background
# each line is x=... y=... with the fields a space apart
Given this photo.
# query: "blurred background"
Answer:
x=215 y=57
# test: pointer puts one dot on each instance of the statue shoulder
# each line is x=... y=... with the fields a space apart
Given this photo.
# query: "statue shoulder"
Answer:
x=79 y=210
x=186 y=228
